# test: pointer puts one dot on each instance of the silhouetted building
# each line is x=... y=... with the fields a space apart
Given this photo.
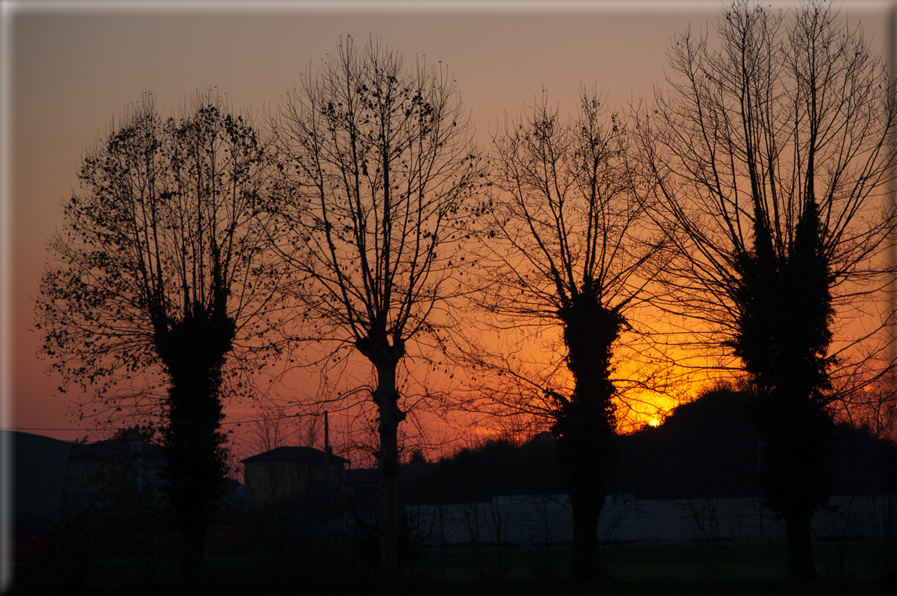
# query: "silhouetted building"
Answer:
x=293 y=475
x=115 y=472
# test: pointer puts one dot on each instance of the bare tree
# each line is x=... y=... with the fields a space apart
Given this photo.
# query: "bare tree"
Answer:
x=273 y=426
x=159 y=271
x=377 y=165
x=769 y=158
x=564 y=248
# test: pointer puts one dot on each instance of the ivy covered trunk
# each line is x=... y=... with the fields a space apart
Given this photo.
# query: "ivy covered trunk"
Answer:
x=585 y=450
x=193 y=352
x=585 y=422
x=795 y=475
x=783 y=337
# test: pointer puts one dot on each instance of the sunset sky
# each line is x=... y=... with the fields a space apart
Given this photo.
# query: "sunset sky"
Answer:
x=69 y=68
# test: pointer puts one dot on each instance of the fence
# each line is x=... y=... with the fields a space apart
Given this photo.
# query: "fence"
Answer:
x=546 y=518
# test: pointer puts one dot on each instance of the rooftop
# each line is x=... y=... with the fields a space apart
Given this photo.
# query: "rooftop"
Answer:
x=302 y=455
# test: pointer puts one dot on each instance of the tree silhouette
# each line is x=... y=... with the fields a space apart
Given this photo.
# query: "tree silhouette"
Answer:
x=159 y=269
x=769 y=159
x=564 y=247
x=377 y=165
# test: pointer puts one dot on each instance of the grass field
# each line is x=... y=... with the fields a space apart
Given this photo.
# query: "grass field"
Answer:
x=707 y=568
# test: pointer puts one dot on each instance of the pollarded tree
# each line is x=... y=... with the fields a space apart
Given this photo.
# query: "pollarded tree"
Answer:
x=770 y=159
x=377 y=166
x=565 y=243
x=159 y=271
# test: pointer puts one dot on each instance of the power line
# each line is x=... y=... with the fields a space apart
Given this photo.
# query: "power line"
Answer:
x=230 y=423
x=60 y=429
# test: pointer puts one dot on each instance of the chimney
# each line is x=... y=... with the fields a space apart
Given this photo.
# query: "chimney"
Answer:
x=327 y=448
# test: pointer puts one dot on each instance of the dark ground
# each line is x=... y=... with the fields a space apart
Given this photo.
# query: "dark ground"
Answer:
x=708 y=568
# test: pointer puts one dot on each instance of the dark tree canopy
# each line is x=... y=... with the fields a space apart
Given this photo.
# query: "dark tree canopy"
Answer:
x=564 y=246
x=790 y=121
x=163 y=230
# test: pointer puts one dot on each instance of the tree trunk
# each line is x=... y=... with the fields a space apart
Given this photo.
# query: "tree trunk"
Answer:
x=586 y=452
x=795 y=473
x=390 y=416
x=385 y=359
x=800 y=566
x=586 y=505
x=584 y=424
x=783 y=335
x=194 y=449
x=193 y=352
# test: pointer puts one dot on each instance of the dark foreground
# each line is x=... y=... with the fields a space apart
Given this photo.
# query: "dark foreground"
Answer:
x=707 y=568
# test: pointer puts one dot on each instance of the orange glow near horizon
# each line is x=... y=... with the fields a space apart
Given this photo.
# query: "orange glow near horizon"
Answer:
x=63 y=99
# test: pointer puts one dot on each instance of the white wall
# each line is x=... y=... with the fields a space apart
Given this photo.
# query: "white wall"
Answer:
x=546 y=518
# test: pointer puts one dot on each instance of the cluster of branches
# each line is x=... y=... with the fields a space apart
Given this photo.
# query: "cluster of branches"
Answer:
x=562 y=226
x=164 y=229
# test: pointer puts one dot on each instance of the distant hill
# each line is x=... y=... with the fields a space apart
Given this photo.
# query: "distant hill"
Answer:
x=707 y=448
x=497 y=466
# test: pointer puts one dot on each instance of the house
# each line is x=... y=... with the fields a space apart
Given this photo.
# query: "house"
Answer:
x=288 y=476
x=117 y=472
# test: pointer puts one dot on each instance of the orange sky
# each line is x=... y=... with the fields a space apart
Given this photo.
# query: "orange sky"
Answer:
x=68 y=72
